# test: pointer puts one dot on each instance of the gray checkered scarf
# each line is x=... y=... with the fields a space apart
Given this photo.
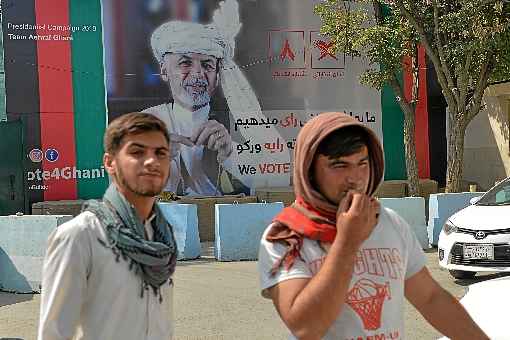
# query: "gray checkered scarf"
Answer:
x=154 y=261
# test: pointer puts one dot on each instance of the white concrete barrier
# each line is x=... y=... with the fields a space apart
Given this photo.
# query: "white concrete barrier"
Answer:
x=412 y=210
x=442 y=206
x=23 y=241
x=184 y=220
x=239 y=227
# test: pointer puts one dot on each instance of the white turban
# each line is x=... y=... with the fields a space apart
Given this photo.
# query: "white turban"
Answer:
x=187 y=37
x=216 y=38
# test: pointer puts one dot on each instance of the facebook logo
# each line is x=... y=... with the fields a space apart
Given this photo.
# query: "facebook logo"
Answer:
x=51 y=155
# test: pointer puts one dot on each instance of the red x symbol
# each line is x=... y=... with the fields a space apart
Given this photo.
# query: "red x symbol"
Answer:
x=326 y=49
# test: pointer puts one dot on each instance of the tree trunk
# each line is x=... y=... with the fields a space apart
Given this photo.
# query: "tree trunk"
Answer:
x=408 y=110
x=409 y=114
x=456 y=133
x=410 y=153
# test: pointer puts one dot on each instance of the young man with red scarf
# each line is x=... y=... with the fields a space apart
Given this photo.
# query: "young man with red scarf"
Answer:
x=336 y=264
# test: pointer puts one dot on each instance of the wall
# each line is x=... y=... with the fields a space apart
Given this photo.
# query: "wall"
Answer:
x=486 y=153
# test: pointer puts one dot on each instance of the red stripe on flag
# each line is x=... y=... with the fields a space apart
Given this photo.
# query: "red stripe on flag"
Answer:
x=421 y=132
x=181 y=10
x=422 y=118
x=56 y=99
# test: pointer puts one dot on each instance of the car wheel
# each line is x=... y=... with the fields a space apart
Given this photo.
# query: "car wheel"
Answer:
x=461 y=274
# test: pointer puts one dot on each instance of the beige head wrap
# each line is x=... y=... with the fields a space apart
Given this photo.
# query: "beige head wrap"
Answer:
x=309 y=138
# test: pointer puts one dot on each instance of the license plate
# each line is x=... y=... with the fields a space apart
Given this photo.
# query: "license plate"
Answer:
x=478 y=251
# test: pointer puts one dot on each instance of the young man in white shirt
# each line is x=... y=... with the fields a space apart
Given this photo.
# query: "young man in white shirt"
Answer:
x=335 y=263
x=107 y=272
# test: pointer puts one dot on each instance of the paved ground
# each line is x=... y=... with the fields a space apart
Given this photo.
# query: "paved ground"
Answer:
x=217 y=300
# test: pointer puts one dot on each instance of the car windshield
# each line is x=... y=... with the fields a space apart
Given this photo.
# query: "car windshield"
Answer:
x=498 y=195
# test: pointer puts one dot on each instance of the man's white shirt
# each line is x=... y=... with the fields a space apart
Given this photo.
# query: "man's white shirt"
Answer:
x=375 y=300
x=88 y=295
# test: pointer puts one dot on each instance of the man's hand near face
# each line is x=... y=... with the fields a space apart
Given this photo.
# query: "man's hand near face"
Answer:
x=215 y=137
x=357 y=217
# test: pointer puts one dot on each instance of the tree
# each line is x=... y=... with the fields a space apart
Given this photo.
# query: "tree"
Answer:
x=385 y=41
x=467 y=41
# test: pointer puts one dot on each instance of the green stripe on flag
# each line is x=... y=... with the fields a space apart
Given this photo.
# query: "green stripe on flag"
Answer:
x=393 y=130
x=90 y=117
x=393 y=136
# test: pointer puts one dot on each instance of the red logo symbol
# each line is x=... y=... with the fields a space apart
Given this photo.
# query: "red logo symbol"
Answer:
x=366 y=298
x=323 y=54
x=325 y=48
x=287 y=52
x=287 y=49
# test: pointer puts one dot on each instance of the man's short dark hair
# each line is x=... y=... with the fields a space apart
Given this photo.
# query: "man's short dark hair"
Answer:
x=131 y=123
x=343 y=142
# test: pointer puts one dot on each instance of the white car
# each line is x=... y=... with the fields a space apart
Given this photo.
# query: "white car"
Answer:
x=477 y=238
x=487 y=303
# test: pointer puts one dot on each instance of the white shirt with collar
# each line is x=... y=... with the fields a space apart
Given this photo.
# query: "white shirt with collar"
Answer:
x=88 y=295
x=149 y=230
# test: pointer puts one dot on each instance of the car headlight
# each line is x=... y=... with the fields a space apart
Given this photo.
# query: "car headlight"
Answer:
x=449 y=228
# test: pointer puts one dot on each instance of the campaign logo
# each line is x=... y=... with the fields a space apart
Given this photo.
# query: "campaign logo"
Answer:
x=323 y=54
x=35 y=155
x=287 y=49
x=51 y=155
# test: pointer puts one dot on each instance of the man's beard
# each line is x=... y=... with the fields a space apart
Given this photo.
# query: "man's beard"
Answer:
x=193 y=98
x=138 y=189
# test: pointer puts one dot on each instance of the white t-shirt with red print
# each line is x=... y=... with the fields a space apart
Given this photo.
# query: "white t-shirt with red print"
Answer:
x=374 y=307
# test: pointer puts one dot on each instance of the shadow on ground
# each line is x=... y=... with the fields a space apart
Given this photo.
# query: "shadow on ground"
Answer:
x=7 y=298
x=480 y=278
x=11 y=279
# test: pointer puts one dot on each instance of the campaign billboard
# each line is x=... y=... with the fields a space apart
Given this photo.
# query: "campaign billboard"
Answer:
x=73 y=65
x=277 y=57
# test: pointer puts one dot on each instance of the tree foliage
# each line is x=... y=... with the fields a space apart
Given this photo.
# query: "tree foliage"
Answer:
x=467 y=41
x=354 y=30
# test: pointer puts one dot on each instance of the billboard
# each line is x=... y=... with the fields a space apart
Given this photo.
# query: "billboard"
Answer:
x=72 y=65
x=287 y=71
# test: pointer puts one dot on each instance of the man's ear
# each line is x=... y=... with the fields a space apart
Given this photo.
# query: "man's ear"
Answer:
x=109 y=164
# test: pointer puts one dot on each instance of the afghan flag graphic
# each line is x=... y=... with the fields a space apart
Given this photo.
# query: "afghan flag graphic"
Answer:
x=54 y=81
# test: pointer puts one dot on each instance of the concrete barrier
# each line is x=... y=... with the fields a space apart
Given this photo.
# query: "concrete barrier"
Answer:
x=63 y=207
x=184 y=220
x=442 y=206
x=392 y=188
x=412 y=210
x=276 y=194
x=22 y=248
x=205 y=210
x=239 y=227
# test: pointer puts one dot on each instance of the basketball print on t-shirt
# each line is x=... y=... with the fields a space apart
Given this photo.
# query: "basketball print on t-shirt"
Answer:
x=367 y=298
